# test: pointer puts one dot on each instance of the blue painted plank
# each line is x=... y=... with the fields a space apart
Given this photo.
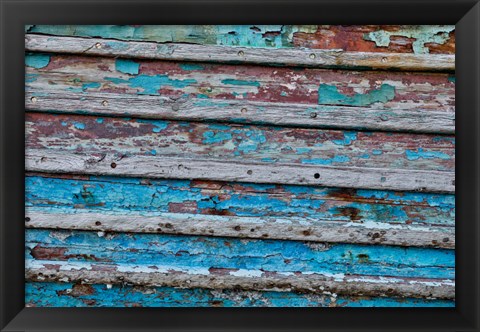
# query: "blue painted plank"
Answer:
x=234 y=253
x=123 y=195
x=42 y=294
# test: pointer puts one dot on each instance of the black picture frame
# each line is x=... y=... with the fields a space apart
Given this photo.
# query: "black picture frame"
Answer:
x=465 y=14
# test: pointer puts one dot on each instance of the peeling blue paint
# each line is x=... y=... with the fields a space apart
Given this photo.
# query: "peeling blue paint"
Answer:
x=44 y=294
x=329 y=95
x=29 y=78
x=421 y=153
x=37 y=60
x=127 y=66
x=283 y=255
x=79 y=125
x=93 y=85
x=212 y=137
x=112 y=195
x=191 y=66
x=349 y=137
x=326 y=161
x=151 y=84
x=241 y=82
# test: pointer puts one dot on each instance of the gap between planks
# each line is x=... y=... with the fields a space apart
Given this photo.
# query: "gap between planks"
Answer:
x=357 y=285
x=283 y=114
x=227 y=54
x=300 y=229
x=58 y=161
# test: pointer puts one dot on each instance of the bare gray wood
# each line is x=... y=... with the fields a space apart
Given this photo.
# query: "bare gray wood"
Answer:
x=332 y=284
x=57 y=161
x=250 y=227
x=226 y=54
x=46 y=99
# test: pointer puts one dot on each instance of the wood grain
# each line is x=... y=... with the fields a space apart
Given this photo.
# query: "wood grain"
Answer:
x=48 y=294
x=52 y=161
x=224 y=54
x=236 y=111
x=68 y=193
x=249 y=227
x=376 y=89
x=418 y=39
x=245 y=280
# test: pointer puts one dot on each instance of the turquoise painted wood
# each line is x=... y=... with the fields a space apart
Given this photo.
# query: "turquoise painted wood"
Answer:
x=418 y=39
x=44 y=294
x=114 y=195
x=230 y=253
x=239 y=113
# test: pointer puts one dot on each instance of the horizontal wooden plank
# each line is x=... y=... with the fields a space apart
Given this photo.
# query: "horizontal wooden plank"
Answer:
x=236 y=111
x=223 y=254
x=54 y=161
x=375 y=89
x=225 y=54
x=419 y=39
x=248 y=227
x=242 y=143
x=112 y=195
x=55 y=271
x=44 y=294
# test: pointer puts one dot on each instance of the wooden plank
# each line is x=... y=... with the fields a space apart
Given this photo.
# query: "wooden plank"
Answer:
x=44 y=294
x=419 y=39
x=248 y=227
x=112 y=195
x=236 y=111
x=242 y=143
x=220 y=255
x=55 y=271
x=225 y=54
x=374 y=89
x=54 y=161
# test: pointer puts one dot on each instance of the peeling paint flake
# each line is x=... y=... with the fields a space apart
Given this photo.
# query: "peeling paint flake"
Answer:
x=423 y=34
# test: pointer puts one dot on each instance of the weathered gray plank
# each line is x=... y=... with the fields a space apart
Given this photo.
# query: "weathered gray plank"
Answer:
x=249 y=227
x=46 y=160
x=241 y=111
x=61 y=271
x=213 y=53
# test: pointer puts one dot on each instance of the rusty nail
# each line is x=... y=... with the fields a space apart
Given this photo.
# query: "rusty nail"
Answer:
x=113 y=165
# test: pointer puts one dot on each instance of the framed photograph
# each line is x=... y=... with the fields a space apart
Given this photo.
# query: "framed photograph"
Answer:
x=304 y=166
